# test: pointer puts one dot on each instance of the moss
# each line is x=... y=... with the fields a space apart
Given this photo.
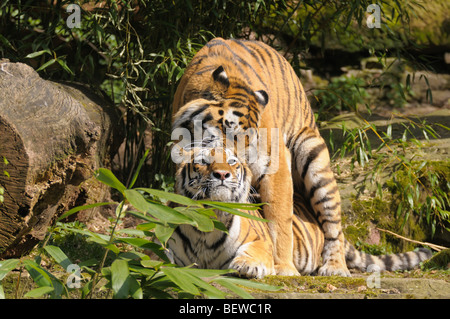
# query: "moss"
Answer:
x=375 y=212
x=441 y=260
x=318 y=284
x=369 y=212
x=365 y=215
x=10 y=284
x=354 y=233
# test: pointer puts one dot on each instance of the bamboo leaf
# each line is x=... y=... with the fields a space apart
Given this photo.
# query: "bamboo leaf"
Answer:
x=176 y=198
x=59 y=256
x=119 y=278
x=64 y=66
x=45 y=65
x=188 y=279
x=234 y=283
x=234 y=288
x=6 y=266
x=203 y=222
x=176 y=275
x=138 y=169
x=39 y=275
x=39 y=292
x=228 y=208
x=79 y=208
x=107 y=177
x=163 y=233
x=38 y=53
x=135 y=288
x=163 y=213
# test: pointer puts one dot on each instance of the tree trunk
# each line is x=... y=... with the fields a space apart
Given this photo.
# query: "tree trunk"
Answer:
x=53 y=137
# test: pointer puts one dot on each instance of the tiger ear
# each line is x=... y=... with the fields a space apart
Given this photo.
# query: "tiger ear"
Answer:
x=262 y=97
x=220 y=75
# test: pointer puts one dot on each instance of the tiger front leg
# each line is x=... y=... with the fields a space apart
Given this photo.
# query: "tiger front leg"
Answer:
x=313 y=176
x=276 y=189
x=254 y=260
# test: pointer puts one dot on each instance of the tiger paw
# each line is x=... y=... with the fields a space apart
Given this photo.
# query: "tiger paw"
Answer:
x=286 y=270
x=251 y=268
x=334 y=268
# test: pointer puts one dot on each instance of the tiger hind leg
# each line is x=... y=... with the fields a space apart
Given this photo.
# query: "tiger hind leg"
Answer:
x=313 y=177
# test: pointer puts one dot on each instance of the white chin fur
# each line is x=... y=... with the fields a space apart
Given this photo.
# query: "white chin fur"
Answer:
x=220 y=194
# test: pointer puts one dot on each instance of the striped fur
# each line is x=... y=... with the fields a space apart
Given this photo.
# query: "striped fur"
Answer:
x=392 y=262
x=239 y=86
x=248 y=247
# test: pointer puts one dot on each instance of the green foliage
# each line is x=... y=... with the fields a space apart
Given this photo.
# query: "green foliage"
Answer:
x=343 y=26
x=441 y=260
x=120 y=264
x=136 y=51
x=355 y=142
x=371 y=249
x=70 y=237
x=343 y=93
x=422 y=189
x=419 y=189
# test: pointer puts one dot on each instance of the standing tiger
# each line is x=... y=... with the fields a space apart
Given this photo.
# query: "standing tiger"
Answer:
x=247 y=247
x=240 y=86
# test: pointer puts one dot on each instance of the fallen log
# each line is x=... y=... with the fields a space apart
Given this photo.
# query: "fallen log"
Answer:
x=53 y=136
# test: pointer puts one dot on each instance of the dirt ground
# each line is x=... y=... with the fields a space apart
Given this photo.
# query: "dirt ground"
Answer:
x=363 y=286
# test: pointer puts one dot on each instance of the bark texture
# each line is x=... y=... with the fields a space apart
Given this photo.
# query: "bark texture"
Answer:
x=53 y=136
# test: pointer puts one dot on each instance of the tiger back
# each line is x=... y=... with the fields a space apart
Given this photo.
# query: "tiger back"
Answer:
x=246 y=86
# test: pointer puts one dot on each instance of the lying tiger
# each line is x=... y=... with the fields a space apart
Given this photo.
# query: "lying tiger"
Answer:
x=217 y=174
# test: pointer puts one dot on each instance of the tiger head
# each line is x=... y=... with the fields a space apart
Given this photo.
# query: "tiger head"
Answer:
x=215 y=174
x=222 y=104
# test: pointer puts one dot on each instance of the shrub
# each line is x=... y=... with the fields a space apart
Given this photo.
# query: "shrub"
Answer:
x=130 y=273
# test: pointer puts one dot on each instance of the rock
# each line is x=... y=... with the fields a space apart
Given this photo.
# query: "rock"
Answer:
x=389 y=288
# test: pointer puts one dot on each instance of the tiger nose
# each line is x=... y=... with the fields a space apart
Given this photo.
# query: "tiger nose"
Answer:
x=222 y=175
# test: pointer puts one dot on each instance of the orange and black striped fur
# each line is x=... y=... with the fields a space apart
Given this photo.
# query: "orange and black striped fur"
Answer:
x=248 y=247
x=246 y=86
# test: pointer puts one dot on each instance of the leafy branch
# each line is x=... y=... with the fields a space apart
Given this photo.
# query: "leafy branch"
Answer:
x=132 y=273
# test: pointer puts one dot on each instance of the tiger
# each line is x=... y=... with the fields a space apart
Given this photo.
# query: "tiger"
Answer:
x=247 y=248
x=242 y=89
